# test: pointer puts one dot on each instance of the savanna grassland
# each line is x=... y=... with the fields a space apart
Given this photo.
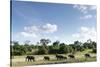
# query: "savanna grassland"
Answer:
x=55 y=53
x=79 y=57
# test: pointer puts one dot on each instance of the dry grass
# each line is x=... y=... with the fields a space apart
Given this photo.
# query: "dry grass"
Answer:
x=79 y=57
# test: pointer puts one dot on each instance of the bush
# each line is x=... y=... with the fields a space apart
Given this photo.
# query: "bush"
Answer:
x=63 y=49
x=94 y=50
x=29 y=53
x=42 y=50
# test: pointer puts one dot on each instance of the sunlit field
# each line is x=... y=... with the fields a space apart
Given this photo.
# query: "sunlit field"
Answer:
x=79 y=57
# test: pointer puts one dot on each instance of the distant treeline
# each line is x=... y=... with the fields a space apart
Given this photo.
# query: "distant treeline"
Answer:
x=56 y=47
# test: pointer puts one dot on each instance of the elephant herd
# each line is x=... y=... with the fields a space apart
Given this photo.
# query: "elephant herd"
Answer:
x=58 y=57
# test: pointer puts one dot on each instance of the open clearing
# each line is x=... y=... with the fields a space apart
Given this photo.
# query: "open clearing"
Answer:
x=19 y=61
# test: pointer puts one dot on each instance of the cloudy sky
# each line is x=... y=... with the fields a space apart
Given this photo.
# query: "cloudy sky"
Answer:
x=64 y=22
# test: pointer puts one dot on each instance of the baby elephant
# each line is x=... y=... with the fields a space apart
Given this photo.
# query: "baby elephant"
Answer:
x=60 y=57
x=87 y=55
x=71 y=56
x=46 y=58
x=30 y=58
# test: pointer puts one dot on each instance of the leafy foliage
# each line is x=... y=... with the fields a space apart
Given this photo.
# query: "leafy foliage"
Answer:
x=55 y=48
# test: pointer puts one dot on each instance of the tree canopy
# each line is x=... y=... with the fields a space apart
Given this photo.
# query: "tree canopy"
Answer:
x=55 y=48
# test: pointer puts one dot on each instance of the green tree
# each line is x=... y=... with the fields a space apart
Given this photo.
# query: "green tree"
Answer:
x=94 y=47
x=44 y=47
x=94 y=44
x=45 y=41
x=78 y=46
x=53 y=49
x=42 y=50
x=56 y=43
x=63 y=49
x=18 y=49
x=77 y=43
x=73 y=48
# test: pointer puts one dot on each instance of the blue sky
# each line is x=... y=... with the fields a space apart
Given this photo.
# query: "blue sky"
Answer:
x=64 y=22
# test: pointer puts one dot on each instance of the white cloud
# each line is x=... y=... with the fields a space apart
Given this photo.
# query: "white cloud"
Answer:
x=31 y=29
x=84 y=8
x=81 y=8
x=85 y=33
x=26 y=34
x=34 y=31
x=87 y=16
x=84 y=29
x=49 y=28
x=85 y=11
x=77 y=35
x=93 y=7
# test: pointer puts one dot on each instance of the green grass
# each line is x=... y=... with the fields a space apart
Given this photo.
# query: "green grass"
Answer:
x=19 y=61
